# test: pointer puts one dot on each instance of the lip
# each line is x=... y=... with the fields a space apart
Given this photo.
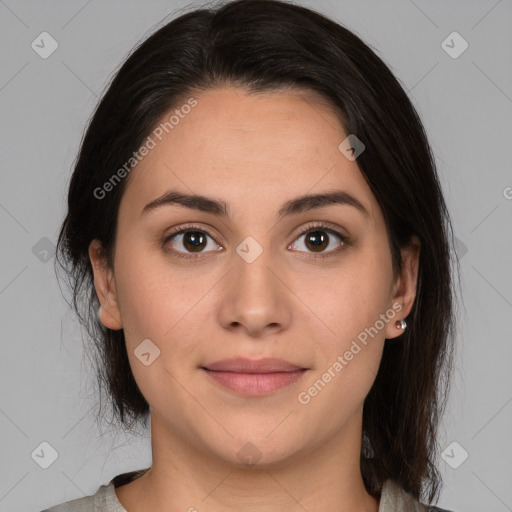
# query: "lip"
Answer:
x=246 y=365
x=254 y=377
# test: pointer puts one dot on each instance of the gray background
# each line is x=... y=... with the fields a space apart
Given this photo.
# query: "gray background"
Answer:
x=46 y=387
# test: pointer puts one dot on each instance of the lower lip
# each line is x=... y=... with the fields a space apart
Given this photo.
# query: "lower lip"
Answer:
x=255 y=383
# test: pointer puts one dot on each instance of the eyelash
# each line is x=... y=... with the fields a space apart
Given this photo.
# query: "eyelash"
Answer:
x=310 y=228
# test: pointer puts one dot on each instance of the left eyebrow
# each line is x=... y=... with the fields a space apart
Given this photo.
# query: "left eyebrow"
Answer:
x=313 y=201
x=291 y=207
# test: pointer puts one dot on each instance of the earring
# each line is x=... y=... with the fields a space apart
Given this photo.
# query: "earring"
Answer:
x=401 y=324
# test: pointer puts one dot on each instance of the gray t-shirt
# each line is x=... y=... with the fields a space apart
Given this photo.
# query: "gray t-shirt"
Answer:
x=393 y=498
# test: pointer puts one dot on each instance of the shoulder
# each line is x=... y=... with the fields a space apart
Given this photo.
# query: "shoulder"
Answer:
x=395 y=499
x=97 y=501
x=103 y=499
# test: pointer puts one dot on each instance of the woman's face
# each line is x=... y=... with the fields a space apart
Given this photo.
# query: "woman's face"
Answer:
x=247 y=283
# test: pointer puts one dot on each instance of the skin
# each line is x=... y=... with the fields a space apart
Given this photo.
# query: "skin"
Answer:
x=254 y=151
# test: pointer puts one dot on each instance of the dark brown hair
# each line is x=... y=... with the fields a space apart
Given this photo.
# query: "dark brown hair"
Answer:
x=264 y=45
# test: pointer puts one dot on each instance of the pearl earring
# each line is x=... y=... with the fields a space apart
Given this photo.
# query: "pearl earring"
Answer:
x=401 y=324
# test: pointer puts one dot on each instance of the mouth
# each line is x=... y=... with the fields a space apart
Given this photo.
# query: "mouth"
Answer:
x=254 y=377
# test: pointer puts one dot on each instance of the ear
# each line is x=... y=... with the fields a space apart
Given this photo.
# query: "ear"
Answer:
x=109 y=313
x=404 y=291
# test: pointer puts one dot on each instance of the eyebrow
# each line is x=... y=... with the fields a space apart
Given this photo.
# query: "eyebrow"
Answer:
x=292 y=207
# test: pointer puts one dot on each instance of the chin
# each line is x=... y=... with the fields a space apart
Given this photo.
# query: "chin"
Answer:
x=256 y=452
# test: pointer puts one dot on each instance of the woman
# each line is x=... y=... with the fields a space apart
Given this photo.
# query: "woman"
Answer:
x=256 y=223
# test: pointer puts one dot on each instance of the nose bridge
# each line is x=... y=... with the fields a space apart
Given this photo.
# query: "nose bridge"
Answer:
x=253 y=277
x=254 y=295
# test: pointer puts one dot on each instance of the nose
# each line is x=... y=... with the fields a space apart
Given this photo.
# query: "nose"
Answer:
x=255 y=298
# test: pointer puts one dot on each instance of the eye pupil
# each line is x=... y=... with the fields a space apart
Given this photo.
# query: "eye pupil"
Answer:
x=194 y=240
x=318 y=239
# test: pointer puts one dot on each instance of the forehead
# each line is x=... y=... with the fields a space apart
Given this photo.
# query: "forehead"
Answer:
x=251 y=149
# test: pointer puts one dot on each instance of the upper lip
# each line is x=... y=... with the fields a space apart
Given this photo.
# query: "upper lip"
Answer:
x=245 y=365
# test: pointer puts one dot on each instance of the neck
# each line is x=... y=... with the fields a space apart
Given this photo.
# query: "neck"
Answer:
x=184 y=477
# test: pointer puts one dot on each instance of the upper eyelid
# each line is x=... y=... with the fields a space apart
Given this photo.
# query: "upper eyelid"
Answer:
x=328 y=226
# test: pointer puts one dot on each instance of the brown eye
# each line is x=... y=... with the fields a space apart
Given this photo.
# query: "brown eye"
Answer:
x=194 y=241
x=317 y=240
x=189 y=242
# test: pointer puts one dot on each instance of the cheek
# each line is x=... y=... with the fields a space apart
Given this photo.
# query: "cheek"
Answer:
x=348 y=360
x=152 y=297
x=351 y=299
x=168 y=308
x=156 y=307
